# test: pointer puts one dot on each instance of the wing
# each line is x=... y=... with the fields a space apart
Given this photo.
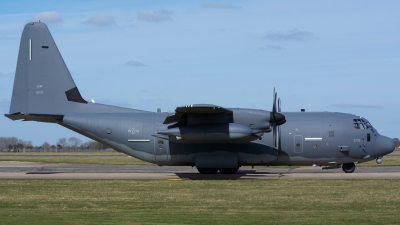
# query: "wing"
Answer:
x=204 y=123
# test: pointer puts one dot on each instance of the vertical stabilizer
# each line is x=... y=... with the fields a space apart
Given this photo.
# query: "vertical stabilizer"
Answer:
x=43 y=84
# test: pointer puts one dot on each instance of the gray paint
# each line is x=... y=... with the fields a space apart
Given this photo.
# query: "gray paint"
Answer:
x=245 y=136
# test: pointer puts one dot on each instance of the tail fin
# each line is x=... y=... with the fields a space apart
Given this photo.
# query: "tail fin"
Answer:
x=43 y=87
x=43 y=84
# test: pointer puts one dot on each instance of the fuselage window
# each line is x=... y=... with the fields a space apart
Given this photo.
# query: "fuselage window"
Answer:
x=368 y=137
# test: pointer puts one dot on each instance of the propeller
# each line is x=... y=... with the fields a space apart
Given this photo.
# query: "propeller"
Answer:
x=276 y=119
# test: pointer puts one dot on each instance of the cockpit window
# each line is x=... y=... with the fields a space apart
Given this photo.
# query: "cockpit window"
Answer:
x=361 y=124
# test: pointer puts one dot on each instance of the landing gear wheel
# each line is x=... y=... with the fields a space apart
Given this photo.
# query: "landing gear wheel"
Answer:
x=348 y=167
x=207 y=170
x=228 y=170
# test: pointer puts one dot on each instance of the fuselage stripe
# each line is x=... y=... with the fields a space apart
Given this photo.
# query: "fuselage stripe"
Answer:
x=312 y=139
x=138 y=140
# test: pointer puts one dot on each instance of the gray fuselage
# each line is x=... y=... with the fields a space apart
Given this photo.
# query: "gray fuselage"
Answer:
x=306 y=138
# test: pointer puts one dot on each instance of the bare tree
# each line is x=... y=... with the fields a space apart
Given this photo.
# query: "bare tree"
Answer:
x=62 y=142
x=95 y=145
x=9 y=143
x=92 y=145
x=28 y=144
x=74 y=142
x=46 y=146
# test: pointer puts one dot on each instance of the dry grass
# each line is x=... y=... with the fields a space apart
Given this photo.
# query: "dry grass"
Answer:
x=200 y=202
x=103 y=158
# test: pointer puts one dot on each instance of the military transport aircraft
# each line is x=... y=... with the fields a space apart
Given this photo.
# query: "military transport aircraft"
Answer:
x=210 y=137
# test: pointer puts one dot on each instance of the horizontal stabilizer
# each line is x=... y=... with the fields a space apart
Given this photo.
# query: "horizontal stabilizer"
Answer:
x=35 y=117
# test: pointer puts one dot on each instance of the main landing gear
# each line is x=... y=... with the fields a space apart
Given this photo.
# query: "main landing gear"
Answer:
x=348 y=167
x=214 y=170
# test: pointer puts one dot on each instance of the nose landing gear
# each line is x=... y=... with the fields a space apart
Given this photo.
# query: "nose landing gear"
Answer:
x=348 y=167
x=379 y=160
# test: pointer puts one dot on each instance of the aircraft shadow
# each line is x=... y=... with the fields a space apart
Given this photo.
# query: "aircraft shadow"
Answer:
x=241 y=174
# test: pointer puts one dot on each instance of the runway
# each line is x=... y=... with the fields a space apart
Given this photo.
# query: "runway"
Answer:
x=43 y=171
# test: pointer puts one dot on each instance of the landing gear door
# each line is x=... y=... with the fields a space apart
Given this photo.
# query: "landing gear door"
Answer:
x=161 y=149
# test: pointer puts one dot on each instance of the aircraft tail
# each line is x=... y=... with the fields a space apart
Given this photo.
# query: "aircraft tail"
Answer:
x=43 y=84
x=43 y=87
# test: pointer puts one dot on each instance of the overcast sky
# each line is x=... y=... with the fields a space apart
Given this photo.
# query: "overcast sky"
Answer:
x=341 y=56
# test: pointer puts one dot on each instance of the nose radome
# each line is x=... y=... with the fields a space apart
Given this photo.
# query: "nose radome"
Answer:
x=383 y=145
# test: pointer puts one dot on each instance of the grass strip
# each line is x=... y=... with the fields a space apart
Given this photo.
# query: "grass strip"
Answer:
x=199 y=202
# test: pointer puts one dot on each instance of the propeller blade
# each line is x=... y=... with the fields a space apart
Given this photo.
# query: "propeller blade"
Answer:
x=274 y=106
x=279 y=104
x=279 y=139
x=273 y=94
x=274 y=135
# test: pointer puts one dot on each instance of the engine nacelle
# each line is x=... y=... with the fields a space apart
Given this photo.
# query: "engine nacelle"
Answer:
x=210 y=132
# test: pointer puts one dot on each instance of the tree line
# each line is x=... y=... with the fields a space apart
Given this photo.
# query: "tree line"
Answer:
x=72 y=143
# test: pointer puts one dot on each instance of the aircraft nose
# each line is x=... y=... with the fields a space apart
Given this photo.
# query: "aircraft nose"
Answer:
x=383 y=145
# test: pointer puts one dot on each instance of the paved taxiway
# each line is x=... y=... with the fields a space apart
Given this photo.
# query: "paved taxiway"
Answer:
x=28 y=170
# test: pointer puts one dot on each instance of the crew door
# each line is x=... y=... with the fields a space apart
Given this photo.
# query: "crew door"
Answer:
x=161 y=149
x=161 y=146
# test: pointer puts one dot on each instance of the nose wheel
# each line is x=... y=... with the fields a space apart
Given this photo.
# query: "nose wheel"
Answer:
x=348 y=167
